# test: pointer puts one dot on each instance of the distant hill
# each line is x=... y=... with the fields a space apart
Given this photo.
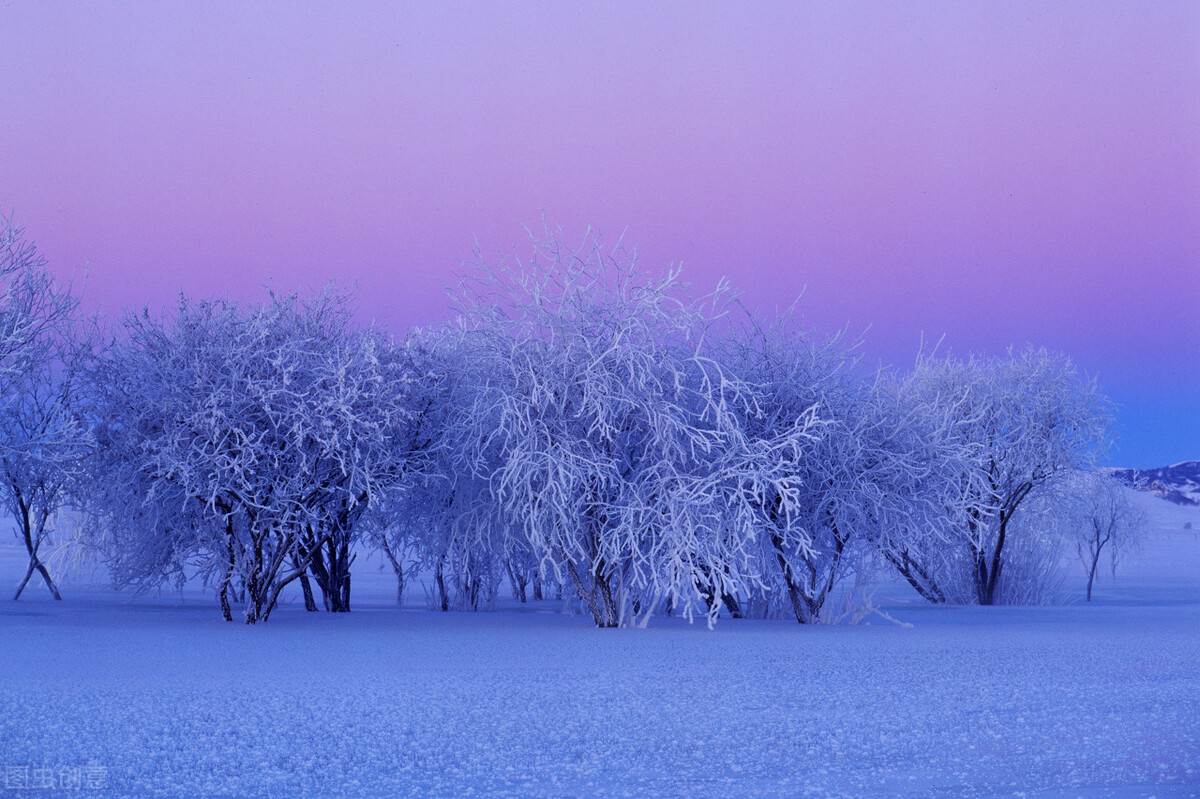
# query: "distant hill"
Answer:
x=1178 y=483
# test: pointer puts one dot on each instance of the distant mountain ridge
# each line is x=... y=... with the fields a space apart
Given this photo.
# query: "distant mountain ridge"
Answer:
x=1178 y=483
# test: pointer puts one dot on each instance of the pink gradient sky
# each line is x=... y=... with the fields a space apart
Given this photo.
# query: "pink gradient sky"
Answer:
x=995 y=172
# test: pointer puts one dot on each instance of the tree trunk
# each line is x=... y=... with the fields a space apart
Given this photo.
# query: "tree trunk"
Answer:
x=254 y=607
x=612 y=614
x=223 y=589
x=264 y=583
x=310 y=603
x=24 y=580
x=472 y=588
x=789 y=579
x=816 y=599
x=598 y=598
x=256 y=597
x=397 y=568
x=31 y=548
x=517 y=581
x=276 y=590
x=997 y=568
x=40 y=568
x=331 y=569
x=439 y=577
x=223 y=597
x=916 y=576
x=1092 y=574
x=989 y=577
x=346 y=591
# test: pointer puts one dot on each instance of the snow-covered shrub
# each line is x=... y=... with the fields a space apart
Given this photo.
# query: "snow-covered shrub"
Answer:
x=244 y=443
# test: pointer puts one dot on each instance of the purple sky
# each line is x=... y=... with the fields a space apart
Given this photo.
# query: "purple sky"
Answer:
x=995 y=172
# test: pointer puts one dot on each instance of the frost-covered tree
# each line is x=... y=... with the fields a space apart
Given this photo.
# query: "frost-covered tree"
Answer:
x=870 y=482
x=244 y=443
x=45 y=444
x=608 y=436
x=1102 y=521
x=42 y=438
x=808 y=527
x=444 y=521
x=367 y=393
x=929 y=456
x=1028 y=419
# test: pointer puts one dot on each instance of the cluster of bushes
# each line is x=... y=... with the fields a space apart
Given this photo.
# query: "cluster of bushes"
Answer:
x=581 y=428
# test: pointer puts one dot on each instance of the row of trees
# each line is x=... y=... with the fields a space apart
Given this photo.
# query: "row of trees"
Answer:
x=580 y=428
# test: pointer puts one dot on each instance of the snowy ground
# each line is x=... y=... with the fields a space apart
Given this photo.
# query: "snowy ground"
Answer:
x=154 y=696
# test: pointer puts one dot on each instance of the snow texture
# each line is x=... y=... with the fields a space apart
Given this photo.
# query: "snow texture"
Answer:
x=159 y=697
